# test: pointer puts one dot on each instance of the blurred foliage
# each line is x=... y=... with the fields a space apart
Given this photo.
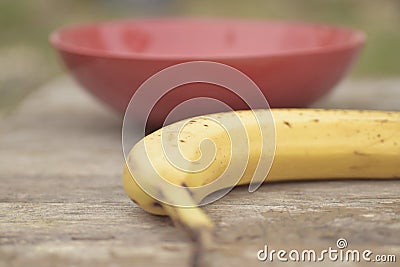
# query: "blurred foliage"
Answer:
x=380 y=20
x=26 y=24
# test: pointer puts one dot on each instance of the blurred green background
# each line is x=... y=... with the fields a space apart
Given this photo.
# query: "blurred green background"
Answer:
x=27 y=60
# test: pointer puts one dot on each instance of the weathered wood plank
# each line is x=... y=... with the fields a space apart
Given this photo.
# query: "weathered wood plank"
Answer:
x=62 y=204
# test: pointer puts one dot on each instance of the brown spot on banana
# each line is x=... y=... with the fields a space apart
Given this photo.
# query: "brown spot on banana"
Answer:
x=358 y=153
x=382 y=120
x=188 y=189
x=157 y=205
x=287 y=124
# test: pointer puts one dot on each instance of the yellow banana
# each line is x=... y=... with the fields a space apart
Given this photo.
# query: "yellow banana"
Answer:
x=310 y=144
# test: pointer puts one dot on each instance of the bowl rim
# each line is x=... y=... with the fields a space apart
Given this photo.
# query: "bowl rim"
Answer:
x=358 y=39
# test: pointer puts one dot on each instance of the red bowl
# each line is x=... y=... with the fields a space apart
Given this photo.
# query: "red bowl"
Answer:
x=292 y=63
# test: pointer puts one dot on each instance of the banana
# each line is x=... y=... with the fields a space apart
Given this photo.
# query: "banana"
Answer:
x=299 y=144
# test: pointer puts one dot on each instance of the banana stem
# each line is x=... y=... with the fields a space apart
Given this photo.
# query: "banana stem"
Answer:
x=202 y=242
x=199 y=227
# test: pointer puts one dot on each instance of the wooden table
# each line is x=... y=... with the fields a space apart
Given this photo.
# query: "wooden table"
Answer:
x=62 y=204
